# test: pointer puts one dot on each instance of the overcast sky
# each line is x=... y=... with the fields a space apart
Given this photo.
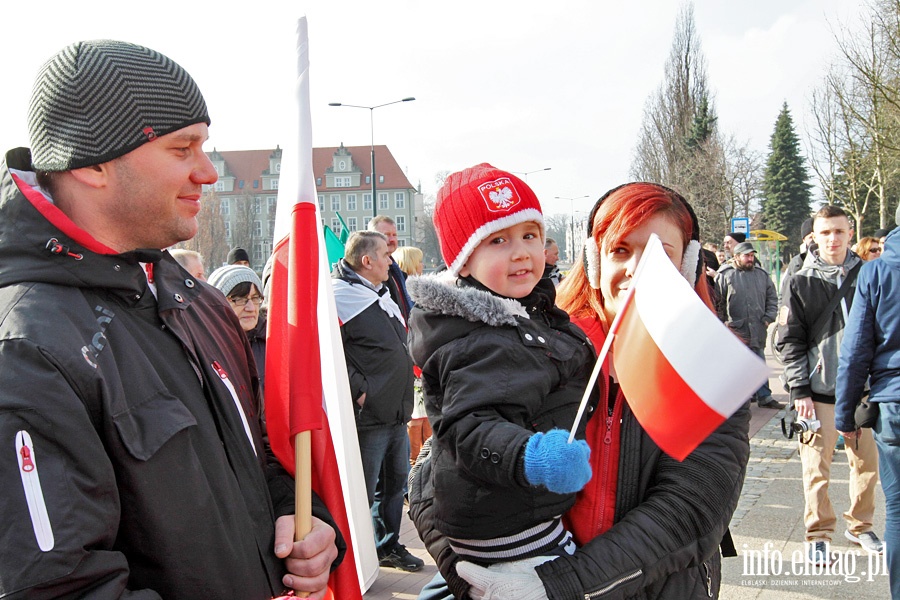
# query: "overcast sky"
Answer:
x=523 y=85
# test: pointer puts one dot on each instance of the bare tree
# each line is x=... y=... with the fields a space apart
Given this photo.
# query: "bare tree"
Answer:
x=744 y=180
x=427 y=235
x=670 y=111
x=841 y=146
x=246 y=211
x=872 y=93
x=680 y=144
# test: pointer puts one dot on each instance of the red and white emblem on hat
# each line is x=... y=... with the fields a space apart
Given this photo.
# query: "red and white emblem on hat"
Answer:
x=499 y=195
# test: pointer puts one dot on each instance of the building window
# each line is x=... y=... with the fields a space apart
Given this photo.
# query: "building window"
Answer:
x=400 y=200
x=220 y=186
x=335 y=202
x=366 y=222
x=241 y=184
x=401 y=242
x=382 y=201
x=227 y=230
x=273 y=203
x=342 y=165
x=224 y=206
x=400 y=221
x=321 y=203
x=336 y=226
x=255 y=184
x=351 y=202
x=257 y=253
x=381 y=179
x=278 y=167
x=271 y=228
x=257 y=229
x=318 y=181
x=367 y=201
x=342 y=182
x=368 y=180
x=351 y=224
x=257 y=206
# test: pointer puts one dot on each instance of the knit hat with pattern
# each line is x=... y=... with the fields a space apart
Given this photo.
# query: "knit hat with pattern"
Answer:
x=97 y=100
x=228 y=277
x=476 y=202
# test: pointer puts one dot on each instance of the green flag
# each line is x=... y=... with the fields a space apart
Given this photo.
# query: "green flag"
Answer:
x=345 y=231
x=334 y=247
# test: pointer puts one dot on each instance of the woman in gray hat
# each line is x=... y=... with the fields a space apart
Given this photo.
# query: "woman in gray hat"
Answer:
x=242 y=287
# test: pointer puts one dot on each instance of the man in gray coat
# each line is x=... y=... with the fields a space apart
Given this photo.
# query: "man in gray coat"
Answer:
x=747 y=303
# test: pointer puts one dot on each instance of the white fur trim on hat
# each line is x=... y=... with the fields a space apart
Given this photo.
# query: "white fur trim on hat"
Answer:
x=529 y=214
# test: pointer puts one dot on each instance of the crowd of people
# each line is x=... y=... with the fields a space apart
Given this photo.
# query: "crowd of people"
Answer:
x=143 y=459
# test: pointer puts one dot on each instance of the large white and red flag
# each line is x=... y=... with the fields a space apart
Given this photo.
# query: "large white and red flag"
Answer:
x=306 y=377
x=682 y=371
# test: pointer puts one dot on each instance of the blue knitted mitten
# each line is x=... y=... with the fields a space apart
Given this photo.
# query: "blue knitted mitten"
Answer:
x=551 y=461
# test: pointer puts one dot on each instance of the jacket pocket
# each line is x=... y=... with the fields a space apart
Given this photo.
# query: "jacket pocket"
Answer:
x=144 y=428
x=34 y=493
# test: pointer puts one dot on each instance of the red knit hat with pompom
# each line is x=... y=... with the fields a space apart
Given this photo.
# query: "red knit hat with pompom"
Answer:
x=476 y=202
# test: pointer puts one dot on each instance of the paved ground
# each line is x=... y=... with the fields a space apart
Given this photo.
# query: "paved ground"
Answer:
x=767 y=527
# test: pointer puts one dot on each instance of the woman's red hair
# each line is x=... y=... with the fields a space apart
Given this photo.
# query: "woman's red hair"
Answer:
x=622 y=211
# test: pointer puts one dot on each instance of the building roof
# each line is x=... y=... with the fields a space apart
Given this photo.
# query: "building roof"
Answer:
x=246 y=166
x=249 y=165
x=385 y=164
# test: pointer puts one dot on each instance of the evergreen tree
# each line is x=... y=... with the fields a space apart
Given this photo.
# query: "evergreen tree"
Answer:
x=786 y=190
x=702 y=127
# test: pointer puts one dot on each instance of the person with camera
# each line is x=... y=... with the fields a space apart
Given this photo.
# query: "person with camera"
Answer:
x=811 y=326
x=869 y=354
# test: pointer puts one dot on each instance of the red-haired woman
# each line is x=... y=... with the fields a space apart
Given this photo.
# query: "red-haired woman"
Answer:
x=647 y=525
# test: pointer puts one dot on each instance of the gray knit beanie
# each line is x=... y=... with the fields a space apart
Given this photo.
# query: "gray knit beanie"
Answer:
x=226 y=278
x=98 y=100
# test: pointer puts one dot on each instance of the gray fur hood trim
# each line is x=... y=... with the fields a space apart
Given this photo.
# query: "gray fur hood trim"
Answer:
x=439 y=293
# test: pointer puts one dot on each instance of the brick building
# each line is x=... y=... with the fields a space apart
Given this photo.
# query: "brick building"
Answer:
x=248 y=191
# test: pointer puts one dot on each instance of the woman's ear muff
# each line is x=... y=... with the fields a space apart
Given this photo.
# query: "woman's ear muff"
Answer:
x=691 y=265
x=592 y=262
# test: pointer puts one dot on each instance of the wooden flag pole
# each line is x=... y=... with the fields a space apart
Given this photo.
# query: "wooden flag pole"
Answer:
x=302 y=488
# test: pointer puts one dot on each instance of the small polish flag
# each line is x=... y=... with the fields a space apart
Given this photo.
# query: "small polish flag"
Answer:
x=683 y=372
x=681 y=369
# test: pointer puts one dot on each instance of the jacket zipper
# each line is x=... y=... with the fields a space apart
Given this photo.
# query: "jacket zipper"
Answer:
x=604 y=467
x=708 y=580
x=34 y=495
x=614 y=584
x=223 y=375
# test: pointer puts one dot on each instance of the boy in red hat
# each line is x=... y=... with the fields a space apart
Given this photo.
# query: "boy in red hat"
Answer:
x=504 y=371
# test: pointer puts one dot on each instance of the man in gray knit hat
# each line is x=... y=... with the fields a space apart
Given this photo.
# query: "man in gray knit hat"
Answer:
x=128 y=387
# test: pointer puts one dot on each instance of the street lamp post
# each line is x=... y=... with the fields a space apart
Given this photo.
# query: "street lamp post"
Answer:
x=571 y=235
x=372 y=130
x=525 y=174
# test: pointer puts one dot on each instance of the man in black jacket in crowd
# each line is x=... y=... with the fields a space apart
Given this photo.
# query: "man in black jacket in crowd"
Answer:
x=373 y=330
x=141 y=469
